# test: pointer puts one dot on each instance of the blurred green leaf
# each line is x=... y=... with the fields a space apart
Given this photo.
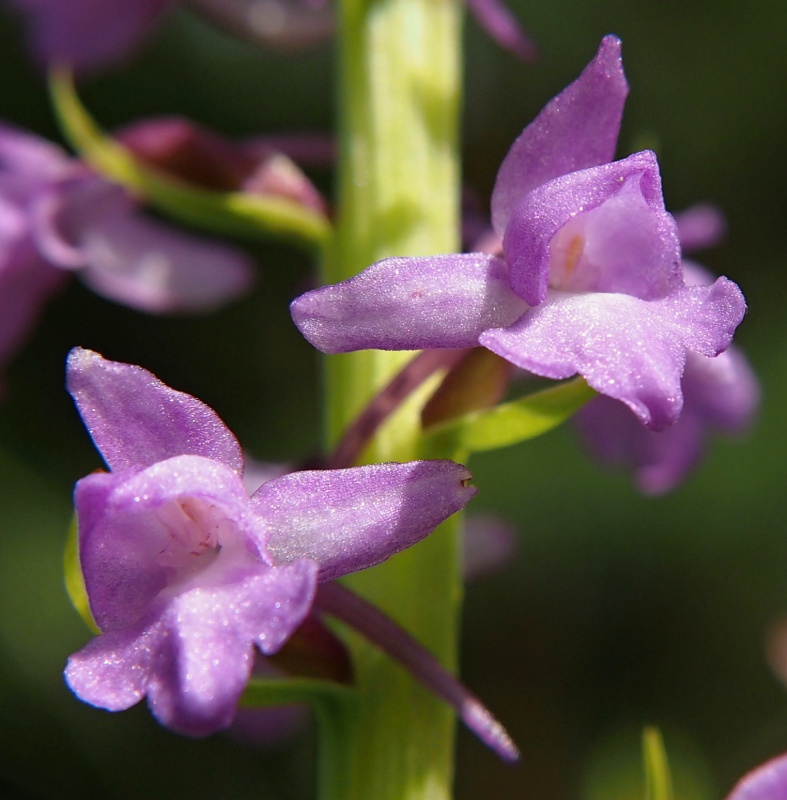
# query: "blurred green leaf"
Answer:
x=658 y=781
x=75 y=581
x=508 y=423
x=229 y=213
x=279 y=692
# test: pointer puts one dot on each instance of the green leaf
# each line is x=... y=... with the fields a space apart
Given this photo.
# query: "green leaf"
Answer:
x=509 y=423
x=658 y=781
x=75 y=581
x=229 y=213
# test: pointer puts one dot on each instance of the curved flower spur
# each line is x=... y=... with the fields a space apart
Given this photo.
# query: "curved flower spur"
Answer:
x=186 y=574
x=590 y=281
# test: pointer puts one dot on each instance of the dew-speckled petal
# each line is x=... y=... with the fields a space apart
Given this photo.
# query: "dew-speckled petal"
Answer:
x=577 y=129
x=131 y=529
x=136 y=420
x=351 y=519
x=599 y=229
x=630 y=349
x=410 y=304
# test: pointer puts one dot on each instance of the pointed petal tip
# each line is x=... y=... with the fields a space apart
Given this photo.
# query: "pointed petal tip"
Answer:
x=491 y=732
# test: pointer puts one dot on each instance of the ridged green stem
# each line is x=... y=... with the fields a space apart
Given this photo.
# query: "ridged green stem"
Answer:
x=398 y=195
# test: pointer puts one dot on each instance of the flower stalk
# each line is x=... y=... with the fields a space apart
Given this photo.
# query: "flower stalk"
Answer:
x=399 y=79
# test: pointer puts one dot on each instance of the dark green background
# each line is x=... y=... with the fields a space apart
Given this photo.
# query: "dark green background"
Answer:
x=619 y=610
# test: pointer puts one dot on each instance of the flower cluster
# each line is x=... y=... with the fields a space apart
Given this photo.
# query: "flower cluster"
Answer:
x=186 y=573
x=590 y=281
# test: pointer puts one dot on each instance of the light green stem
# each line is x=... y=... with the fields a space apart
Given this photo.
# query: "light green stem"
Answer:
x=398 y=195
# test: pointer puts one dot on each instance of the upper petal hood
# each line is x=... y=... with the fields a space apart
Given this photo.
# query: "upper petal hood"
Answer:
x=136 y=420
x=618 y=212
x=577 y=129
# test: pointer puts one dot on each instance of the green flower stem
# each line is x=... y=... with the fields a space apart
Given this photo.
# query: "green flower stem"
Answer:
x=398 y=195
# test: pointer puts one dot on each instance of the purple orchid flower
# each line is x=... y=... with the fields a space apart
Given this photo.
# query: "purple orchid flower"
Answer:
x=186 y=573
x=90 y=34
x=590 y=281
x=766 y=782
x=57 y=218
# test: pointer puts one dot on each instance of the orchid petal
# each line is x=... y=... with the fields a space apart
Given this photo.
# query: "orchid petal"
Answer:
x=31 y=157
x=193 y=657
x=701 y=226
x=317 y=515
x=577 y=129
x=502 y=27
x=26 y=281
x=87 y=34
x=629 y=349
x=146 y=265
x=136 y=420
x=767 y=782
x=659 y=460
x=112 y=670
x=612 y=217
x=410 y=304
x=215 y=628
x=130 y=521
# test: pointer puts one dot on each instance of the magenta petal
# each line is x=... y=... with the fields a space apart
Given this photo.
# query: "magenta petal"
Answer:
x=196 y=689
x=24 y=155
x=658 y=460
x=613 y=216
x=630 y=349
x=767 y=782
x=136 y=420
x=149 y=266
x=502 y=27
x=192 y=658
x=410 y=304
x=134 y=526
x=720 y=394
x=26 y=281
x=65 y=208
x=350 y=519
x=700 y=226
x=87 y=34
x=577 y=129
x=112 y=670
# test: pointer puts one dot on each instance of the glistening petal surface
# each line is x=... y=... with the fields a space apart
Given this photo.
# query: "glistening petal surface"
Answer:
x=629 y=349
x=615 y=214
x=577 y=129
x=214 y=630
x=410 y=304
x=129 y=521
x=136 y=420
x=350 y=519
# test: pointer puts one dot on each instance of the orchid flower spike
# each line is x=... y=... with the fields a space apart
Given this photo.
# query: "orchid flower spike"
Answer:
x=590 y=281
x=186 y=574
